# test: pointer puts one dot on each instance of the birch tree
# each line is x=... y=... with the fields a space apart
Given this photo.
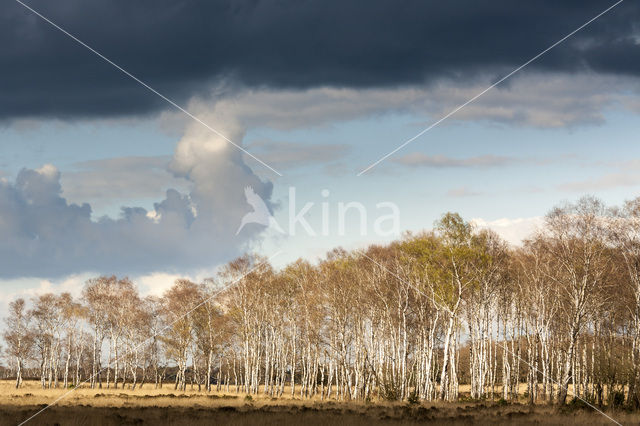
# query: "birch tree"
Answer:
x=18 y=336
x=577 y=243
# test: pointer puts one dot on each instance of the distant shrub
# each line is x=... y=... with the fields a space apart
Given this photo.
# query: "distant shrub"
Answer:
x=390 y=394
x=466 y=397
x=616 y=399
x=413 y=398
x=248 y=398
x=502 y=402
x=577 y=404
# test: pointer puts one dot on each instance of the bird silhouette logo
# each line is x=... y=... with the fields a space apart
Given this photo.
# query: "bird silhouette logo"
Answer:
x=260 y=213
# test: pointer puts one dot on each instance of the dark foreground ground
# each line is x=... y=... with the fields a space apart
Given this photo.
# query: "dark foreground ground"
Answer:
x=325 y=414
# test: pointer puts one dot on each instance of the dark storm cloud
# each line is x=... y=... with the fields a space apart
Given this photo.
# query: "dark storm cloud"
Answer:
x=182 y=47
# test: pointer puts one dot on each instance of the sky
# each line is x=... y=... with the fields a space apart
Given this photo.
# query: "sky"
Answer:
x=294 y=100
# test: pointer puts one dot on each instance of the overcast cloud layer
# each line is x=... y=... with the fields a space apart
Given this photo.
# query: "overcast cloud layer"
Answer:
x=182 y=47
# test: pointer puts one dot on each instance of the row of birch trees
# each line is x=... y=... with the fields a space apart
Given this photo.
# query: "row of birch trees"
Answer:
x=450 y=313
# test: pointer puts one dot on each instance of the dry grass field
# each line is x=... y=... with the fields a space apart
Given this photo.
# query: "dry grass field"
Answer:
x=149 y=406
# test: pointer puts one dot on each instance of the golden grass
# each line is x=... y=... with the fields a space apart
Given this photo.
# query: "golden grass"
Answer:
x=148 y=405
x=32 y=393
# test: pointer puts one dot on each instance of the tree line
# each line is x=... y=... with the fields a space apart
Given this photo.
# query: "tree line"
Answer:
x=555 y=318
